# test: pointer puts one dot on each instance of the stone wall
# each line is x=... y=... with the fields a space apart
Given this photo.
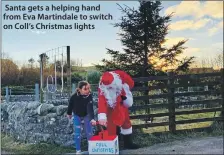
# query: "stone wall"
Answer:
x=19 y=98
x=33 y=122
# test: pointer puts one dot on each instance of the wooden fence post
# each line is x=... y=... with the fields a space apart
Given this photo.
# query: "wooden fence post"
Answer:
x=171 y=102
x=222 y=91
x=41 y=78
x=69 y=79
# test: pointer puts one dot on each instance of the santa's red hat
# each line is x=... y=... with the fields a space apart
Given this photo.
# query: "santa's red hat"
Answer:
x=107 y=79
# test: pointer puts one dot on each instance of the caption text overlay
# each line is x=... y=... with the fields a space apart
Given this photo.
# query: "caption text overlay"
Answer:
x=53 y=17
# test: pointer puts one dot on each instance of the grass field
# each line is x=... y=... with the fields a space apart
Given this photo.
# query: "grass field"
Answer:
x=9 y=144
x=178 y=118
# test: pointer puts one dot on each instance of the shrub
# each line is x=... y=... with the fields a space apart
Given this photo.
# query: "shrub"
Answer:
x=93 y=77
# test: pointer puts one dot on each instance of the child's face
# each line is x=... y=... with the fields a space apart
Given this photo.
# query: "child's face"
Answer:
x=85 y=90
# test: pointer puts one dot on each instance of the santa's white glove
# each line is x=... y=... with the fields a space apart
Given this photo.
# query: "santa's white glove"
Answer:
x=128 y=100
x=103 y=122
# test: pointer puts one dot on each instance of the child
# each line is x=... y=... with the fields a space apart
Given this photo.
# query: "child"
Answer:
x=81 y=105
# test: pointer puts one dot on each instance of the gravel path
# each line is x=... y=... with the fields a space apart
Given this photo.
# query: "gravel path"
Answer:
x=209 y=145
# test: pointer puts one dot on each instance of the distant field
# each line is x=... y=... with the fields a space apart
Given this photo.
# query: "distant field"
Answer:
x=87 y=68
x=82 y=71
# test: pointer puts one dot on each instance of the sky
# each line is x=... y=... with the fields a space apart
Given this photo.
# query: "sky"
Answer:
x=199 y=22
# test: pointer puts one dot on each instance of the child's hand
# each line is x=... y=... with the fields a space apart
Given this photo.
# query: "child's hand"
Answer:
x=69 y=116
x=93 y=122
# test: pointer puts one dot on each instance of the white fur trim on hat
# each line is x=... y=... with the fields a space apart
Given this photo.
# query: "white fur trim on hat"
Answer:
x=126 y=131
x=102 y=116
x=129 y=101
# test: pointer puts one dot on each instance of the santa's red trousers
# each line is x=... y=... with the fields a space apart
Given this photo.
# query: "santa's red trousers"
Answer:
x=126 y=127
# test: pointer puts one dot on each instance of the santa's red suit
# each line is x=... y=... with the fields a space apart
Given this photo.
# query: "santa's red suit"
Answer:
x=114 y=99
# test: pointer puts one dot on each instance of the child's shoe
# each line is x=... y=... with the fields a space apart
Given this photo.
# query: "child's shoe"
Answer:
x=78 y=152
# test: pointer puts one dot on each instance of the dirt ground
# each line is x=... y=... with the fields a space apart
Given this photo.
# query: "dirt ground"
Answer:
x=208 y=145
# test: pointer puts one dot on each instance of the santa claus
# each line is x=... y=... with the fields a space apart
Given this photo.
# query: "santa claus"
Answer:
x=114 y=99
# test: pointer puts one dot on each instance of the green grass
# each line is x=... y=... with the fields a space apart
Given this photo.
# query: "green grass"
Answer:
x=10 y=145
x=178 y=118
x=148 y=139
x=89 y=68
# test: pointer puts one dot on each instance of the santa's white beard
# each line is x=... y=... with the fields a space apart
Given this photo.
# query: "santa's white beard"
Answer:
x=114 y=91
x=111 y=97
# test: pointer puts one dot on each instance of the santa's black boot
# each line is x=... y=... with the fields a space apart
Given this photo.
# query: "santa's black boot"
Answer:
x=128 y=143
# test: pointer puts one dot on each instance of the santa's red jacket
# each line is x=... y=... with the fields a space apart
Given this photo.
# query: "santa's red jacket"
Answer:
x=118 y=115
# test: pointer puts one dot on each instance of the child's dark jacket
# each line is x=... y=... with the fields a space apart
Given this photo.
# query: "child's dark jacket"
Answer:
x=81 y=105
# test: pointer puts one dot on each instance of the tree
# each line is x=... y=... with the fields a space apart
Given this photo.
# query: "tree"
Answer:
x=143 y=33
x=218 y=60
x=4 y=55
x=45 y=59
x=9 y=72
x=93 y=77
x=76 y=78
x=29 y=76
x=31 y=61
x=210 y=62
